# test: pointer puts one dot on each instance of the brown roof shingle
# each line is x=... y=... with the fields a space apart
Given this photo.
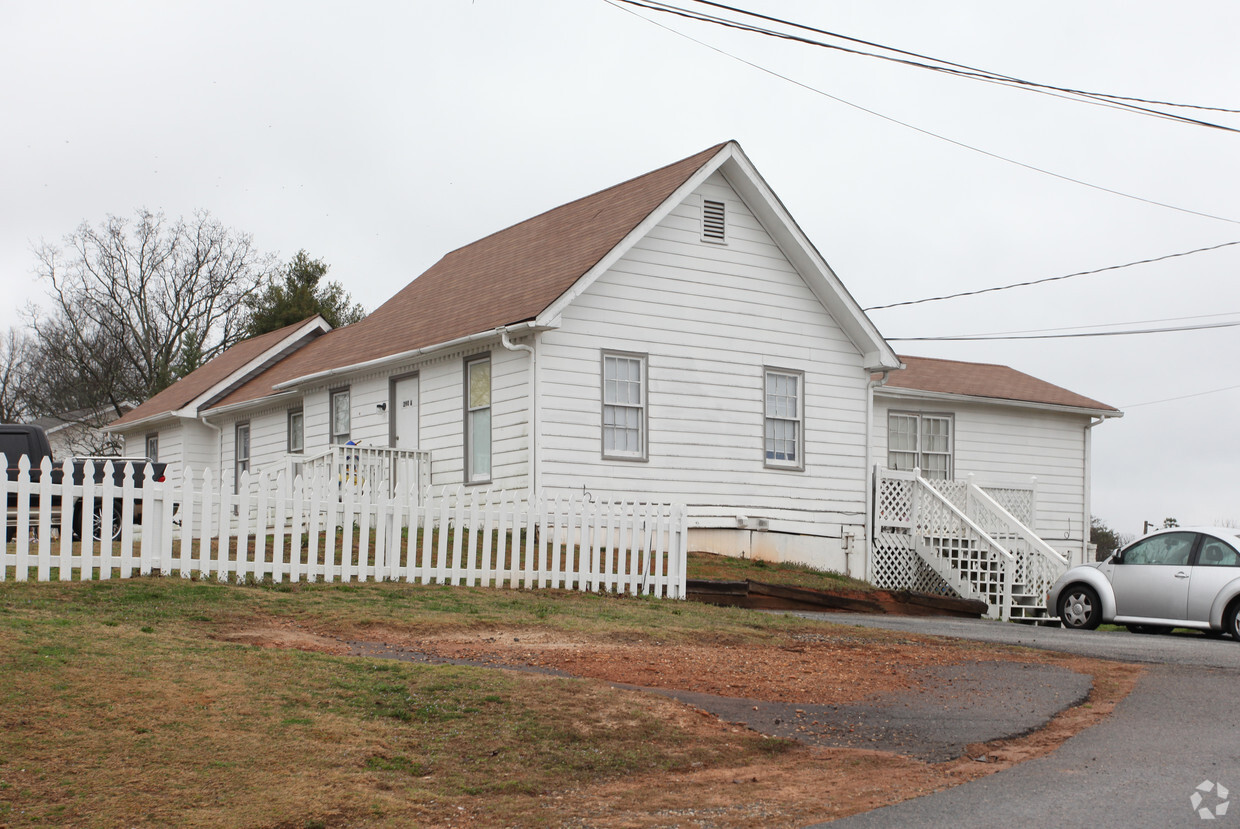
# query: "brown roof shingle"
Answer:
x=194 y=384
x=985 y=380
x=508 y=277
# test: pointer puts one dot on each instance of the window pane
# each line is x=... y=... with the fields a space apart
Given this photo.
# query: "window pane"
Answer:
x=340 y=416
x=902 y=434
x=480 y=445
x=1215 y=553
x=902 y=461
x=295 y=432
x=479 y=384
x=1168 y=550
x=934 y=466
x=934 y=433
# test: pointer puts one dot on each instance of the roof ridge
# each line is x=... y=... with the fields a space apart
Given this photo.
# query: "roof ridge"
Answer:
x=711 y=150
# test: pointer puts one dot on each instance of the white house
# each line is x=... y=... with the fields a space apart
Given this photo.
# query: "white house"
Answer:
x=1001 y=427
x=674 y=337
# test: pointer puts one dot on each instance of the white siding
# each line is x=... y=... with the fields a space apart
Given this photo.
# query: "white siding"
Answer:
x=442 y=387
x=1001 y=445
x=181 y=443
x=441 y=411
x=709 y=317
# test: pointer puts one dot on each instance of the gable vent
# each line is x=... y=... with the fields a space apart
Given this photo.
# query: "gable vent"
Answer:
x=713 y=225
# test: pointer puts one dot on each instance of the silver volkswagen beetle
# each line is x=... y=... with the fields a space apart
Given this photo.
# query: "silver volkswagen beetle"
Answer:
x=1182 y=577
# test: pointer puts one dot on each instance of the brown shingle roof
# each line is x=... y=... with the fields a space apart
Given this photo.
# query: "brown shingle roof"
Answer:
x=985 y=380
x=508 y=277
x=193 y=385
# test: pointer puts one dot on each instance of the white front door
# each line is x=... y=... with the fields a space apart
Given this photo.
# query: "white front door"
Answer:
x=405 y=413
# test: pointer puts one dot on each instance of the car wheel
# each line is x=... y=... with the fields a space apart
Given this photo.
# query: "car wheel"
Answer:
x=99 y=532
x=1231 y=620
x=1080 y=608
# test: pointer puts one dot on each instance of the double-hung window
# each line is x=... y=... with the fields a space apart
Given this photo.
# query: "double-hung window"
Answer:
x=296 y=432
x=152 y=447
x=922 y=441
x=242 y=454
x=342 y=417
x=478 y=419
x=624 y=406
x=785 y=419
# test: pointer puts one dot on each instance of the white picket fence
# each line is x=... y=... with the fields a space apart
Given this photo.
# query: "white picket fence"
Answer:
x=309 y=529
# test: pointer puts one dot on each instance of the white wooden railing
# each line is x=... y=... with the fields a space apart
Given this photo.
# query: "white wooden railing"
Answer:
x=366 y=470
x=1038 y=565
x=268 y=527
x=953 y=536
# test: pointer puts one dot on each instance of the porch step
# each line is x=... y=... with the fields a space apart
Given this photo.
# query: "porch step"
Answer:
x=1028 y=608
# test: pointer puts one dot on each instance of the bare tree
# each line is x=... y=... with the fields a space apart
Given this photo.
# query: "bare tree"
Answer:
x=137 y=304
x=14 y=353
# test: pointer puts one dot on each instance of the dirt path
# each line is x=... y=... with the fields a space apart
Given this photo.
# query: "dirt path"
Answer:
x=881 y=718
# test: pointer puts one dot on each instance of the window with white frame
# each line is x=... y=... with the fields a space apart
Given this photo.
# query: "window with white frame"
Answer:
x=342 y=416
x=921 y=441
x=784 y=434
x=242 y=454
x=624 y=406
x=478 y=419
x=296 y=432
x=152 y=447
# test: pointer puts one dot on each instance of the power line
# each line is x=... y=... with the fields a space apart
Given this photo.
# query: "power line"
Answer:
x=958 y=70
x=921 y=130
x=1111 y=324
x=971 y=69
x=1181 y=397
x=1049 y=278
x=1132 y=332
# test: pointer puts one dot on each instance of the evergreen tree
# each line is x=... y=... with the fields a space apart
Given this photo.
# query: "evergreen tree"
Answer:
x=299 y=292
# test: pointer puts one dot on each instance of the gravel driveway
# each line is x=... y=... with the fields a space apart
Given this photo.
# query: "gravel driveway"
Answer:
x=1176 y=735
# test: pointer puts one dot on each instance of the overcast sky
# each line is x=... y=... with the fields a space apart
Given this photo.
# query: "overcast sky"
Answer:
x=379 y=136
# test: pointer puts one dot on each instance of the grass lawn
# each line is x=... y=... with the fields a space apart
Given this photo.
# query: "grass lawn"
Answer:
x=118 y=708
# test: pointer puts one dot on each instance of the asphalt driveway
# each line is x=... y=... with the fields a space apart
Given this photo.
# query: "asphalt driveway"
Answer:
x=1177 y=735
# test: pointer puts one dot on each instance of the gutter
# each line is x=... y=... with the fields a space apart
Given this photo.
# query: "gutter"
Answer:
x=246 y=404
x=404 y=356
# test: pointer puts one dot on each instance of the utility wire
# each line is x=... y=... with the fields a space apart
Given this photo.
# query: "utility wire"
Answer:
x=921 y=130
x=1049 y=278
x=965 y=67
x=1111 y=324
x=1099 y=99
x=1181 y=397
x=1131 y=332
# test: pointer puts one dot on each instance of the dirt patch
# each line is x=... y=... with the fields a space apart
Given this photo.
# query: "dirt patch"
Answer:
x=805 y=668
x=290 y=639
x=802 y=676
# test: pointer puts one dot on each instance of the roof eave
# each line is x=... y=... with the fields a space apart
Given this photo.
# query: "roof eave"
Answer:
x=895 y=391
x=405 y=356
x=265 y=400
x=149 y=420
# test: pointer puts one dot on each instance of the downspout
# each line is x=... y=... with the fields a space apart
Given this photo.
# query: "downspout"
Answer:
x=870 y=386
x=532 y=403
x=219 y=446
x=1089 y=485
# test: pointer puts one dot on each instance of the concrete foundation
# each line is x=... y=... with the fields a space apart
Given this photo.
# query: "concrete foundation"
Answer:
x=841 y=555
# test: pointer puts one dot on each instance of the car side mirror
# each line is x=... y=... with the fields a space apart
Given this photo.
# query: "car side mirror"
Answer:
x=1117 y=557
